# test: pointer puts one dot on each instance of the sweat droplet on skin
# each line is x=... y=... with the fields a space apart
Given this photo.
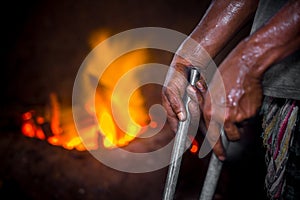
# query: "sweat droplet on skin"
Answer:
x=236 y=93
x=234 y=96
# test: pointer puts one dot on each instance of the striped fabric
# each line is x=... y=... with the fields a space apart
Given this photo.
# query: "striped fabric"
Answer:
x=279 y=122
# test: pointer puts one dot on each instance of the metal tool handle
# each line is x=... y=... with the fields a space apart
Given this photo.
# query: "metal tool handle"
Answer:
x=213 y=172
x=179 y=144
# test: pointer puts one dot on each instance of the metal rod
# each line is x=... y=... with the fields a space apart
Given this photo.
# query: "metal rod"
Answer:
x=179 y=144
x=213 y=172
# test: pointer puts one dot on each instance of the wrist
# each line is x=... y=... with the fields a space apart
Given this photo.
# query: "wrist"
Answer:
x=192 y=53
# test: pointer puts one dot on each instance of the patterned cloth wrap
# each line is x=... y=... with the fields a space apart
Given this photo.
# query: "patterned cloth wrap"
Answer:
x=280 y=130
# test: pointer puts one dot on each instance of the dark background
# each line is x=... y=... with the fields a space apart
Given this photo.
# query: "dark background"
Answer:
x=43 y=44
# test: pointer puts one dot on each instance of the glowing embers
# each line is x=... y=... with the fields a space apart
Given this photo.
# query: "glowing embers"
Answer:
x=132 y=114
x=194 y=146
x=31 y=126
x=121 y=113
x=52 y=123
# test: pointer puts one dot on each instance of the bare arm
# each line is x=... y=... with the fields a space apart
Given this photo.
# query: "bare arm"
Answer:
x=221 y=21
x=243 y=70
x=275 y=40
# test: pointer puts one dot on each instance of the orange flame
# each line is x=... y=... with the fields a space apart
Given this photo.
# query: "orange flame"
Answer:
x=61 y=121
x=28 y=129
x=113 y=135
x=55 y=112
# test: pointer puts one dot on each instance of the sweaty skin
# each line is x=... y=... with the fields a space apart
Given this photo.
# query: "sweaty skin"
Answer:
x=221 y=21
x=241 y=71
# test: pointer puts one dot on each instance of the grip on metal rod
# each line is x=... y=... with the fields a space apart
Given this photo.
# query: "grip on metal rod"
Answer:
x=179 y=144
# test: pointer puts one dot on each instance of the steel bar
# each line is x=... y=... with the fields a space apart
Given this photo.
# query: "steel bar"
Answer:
x=213 y=173
x=179 y=144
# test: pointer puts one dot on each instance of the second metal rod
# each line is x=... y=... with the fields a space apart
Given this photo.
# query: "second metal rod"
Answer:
x=213 y=172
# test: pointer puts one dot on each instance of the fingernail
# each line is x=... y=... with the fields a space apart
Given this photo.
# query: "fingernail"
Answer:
x=180 y=116
x=222 y=158
x=200 y=86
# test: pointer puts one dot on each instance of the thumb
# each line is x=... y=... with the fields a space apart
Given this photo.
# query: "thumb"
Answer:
x=176 y=104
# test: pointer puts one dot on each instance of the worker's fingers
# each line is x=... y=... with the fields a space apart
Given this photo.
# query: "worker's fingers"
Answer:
x=227 y=118
x=213 y=113
x=195 y=95
x=171 y=116
x=231 y=130
x=219 y=150
x=196 y=103
x=173 y=122
x=201 y=85
x=175 y=100
x=214 y=138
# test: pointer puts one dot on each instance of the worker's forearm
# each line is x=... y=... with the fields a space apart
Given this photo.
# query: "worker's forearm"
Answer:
x=274 y=41
x=221 y=21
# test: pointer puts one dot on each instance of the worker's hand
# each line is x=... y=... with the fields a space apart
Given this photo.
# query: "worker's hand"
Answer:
x=242 y=72
x=176 y=84
x=237 y=100
x=205 y=42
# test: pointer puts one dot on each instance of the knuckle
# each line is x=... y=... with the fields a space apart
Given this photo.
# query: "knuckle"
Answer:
x=174 y=103
x=232 y=132
x=217 y=149
x=232 y=136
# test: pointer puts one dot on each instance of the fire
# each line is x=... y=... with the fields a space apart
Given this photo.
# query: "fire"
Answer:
x=31 y=127
x=56 y=124
x=52 y=124
x=55 y=115
x=113 y=135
